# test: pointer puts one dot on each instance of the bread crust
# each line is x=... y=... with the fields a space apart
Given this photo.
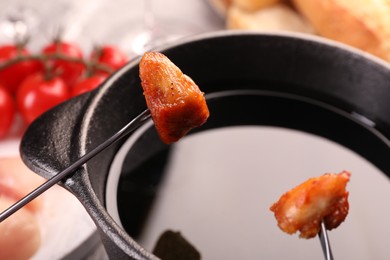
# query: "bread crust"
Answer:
x=278 y=17
x=364 y=24
x=253 y=5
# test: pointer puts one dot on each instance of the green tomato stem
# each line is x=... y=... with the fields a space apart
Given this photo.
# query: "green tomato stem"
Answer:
x=45 y=58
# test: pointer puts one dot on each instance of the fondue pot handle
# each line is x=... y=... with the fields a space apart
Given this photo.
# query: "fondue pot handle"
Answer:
x=51 y=143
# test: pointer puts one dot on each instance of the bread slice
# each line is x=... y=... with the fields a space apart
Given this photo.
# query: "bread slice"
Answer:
x=364 y=24
x=254 y=5
x=278 y=17
x=220 y=6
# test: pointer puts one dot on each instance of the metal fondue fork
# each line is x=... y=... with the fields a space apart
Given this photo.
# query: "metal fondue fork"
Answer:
x=323 y=236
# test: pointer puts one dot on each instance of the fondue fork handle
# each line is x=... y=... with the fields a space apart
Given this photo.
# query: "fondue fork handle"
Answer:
x=324 y=239
x=131 y=126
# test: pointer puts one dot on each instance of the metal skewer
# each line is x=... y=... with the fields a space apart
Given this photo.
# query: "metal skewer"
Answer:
x=131 y=126
x=323 y=235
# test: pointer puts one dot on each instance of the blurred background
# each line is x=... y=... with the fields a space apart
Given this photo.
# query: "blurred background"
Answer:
x=110 y=22
x=232 y=155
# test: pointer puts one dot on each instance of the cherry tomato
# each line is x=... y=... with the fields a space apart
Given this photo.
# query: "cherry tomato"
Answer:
x=110 y=56
x=7 y=111
x=12 y=76
x=37 y=95
x=69 y=71
x=87 y=84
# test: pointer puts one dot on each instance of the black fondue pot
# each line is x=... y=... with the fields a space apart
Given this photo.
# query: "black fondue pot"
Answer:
x=288 y=80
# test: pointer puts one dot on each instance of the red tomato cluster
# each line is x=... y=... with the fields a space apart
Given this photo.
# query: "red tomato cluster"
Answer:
x=30 y=84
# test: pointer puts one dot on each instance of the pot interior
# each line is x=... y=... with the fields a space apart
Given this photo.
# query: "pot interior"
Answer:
x=216 y=185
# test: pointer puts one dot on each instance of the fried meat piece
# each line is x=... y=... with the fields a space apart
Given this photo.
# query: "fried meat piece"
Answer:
x=176 y=103
x=322 y=198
